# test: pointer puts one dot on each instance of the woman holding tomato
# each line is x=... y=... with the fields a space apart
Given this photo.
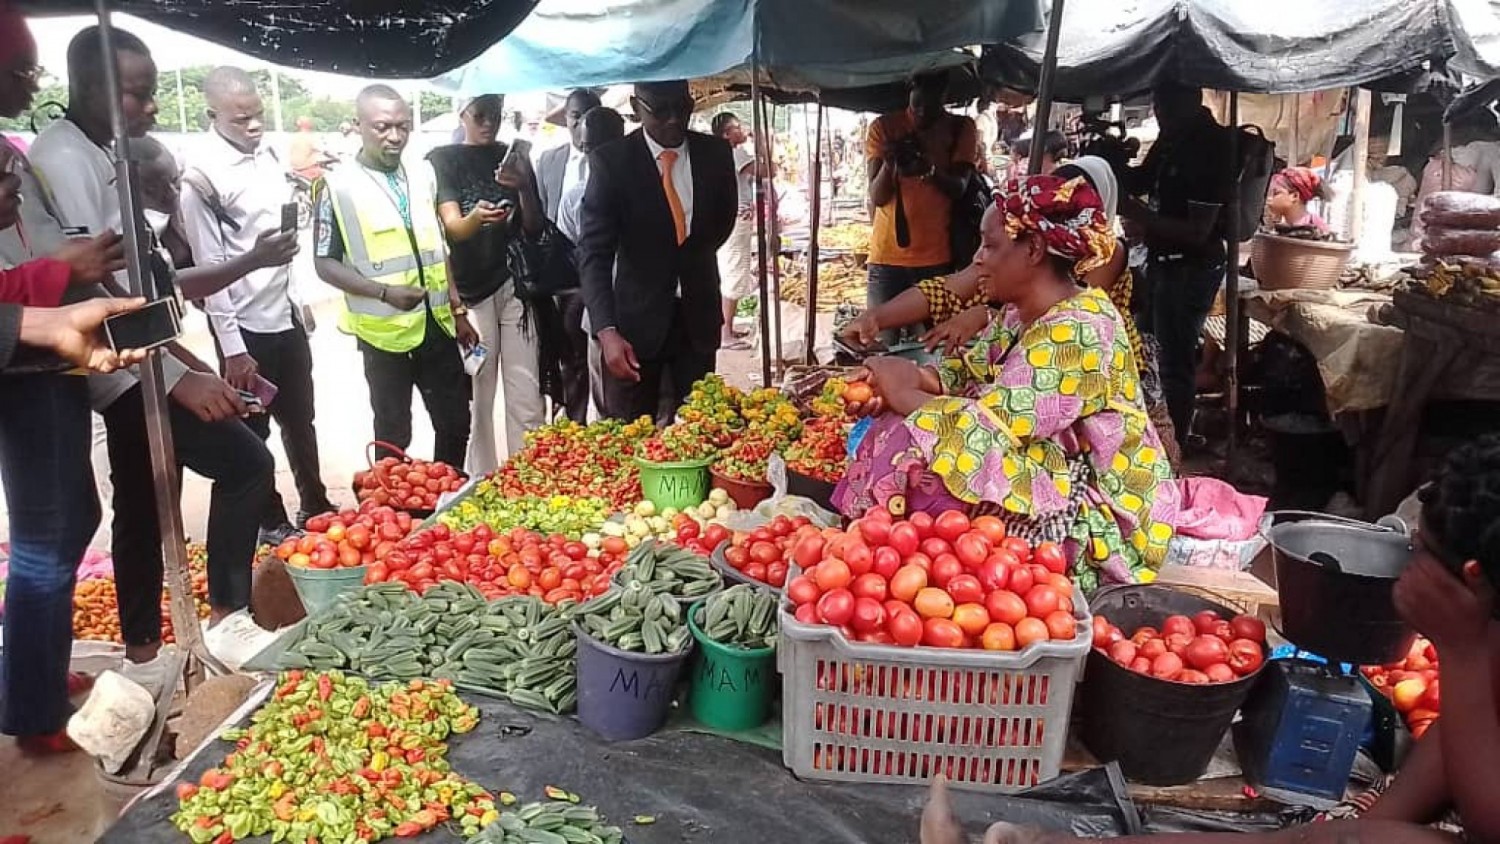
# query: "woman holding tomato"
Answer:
x=1042 y=420
x=1445 y=790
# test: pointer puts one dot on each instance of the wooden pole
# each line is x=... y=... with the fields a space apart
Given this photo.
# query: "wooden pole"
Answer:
x=1361 y=165
x=1233 y=336
x=1294 y=147
x=1045 y=82
x=773 y=229
x=762 y=157
x=181 y=103
x=815 y=222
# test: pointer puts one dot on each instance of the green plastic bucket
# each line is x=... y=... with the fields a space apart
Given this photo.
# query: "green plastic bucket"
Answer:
x=732 y=688
x=678 y=485
x=318 y=588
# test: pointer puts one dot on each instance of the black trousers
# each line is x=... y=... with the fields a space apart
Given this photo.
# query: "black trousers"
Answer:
x=665 y=381
x=575 y=357
x=436 y=369
x=227 y=453
x=285 y=359
x=1182 y=294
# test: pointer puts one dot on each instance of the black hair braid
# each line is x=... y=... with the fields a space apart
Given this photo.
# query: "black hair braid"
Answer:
x=1461 y=508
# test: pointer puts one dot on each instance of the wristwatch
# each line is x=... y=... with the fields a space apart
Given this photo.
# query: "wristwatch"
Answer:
x=460 y=310
x=382 y=292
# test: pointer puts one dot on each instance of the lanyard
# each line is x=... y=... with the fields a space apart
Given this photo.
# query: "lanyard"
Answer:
x=396 y=190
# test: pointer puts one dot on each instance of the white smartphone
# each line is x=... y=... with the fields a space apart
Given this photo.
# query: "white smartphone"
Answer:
x=153 y=324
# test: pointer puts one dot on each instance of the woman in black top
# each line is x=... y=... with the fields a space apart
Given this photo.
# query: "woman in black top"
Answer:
x=483 y=207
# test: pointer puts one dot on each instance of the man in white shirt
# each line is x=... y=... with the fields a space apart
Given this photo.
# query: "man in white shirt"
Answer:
x=558 y=172
x=74 y=162
x=737 y=257
x=234 y=190
x=599 y=127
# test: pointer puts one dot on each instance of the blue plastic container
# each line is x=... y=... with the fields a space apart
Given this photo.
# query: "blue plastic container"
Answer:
x=1301 y=729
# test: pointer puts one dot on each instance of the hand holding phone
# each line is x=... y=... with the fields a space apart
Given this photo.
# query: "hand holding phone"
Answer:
x=289 y=217
x=148 y=327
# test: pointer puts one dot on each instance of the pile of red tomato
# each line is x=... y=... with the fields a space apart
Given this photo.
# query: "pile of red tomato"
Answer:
x=347 y=539
x=765 y=553
x=1200 y=650
x=516 y=562
x=1412 y=685
x=406 y=485
x=943 y=582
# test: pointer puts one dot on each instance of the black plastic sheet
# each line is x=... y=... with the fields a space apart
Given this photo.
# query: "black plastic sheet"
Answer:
x=701 y=788
x=390 y=39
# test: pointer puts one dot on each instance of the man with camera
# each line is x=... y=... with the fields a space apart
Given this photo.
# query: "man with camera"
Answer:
x=919 y=162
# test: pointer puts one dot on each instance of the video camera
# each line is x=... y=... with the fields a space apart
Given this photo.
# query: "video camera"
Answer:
x=1098 y=136
x=911 y=159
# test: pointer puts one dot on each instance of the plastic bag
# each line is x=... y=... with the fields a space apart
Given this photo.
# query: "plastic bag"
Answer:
x=1461 y=210
x=113 y=720
x=779 y=504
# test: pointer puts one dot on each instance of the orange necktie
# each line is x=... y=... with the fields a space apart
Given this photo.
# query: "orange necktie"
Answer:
x=668 y=158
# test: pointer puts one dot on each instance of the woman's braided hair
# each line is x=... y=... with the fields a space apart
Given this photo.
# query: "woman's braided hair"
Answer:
x=1461 y=508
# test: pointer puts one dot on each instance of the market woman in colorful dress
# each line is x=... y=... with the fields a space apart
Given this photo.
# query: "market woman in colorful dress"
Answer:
x=1043 y=419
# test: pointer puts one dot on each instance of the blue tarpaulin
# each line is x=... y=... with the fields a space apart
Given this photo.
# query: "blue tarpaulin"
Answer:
x=571 y=43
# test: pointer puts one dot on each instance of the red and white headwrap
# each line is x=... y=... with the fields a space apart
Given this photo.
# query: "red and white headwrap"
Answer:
x=1302 y=181
x=1067 y=214
x=16 y=41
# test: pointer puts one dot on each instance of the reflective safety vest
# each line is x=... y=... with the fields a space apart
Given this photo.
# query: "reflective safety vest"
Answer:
x=377 y=247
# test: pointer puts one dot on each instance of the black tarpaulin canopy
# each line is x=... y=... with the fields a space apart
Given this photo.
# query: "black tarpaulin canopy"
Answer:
x=390 y=39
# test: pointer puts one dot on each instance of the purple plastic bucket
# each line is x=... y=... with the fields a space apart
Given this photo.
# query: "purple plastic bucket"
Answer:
x=624 y=695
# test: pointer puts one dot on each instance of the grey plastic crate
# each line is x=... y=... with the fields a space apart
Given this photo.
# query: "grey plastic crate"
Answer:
x=990 y=721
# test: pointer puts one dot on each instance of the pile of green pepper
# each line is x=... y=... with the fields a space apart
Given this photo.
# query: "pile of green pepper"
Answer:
x=332 y=758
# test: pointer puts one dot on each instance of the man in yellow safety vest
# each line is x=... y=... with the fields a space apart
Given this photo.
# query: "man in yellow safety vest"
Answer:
x=376 y=237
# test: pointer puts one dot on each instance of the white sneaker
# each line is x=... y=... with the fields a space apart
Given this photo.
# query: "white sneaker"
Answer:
x=236 y=639
x=154 y=674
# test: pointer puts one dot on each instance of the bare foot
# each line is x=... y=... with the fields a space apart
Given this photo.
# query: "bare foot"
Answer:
x=1009 y=833
x=938 y=824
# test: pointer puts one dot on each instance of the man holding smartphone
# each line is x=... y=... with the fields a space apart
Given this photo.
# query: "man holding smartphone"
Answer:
x=234 y=190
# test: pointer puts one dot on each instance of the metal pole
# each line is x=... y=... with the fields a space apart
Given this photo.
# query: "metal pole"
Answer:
x=276 y=98
x=1044 y=86
x=181 y=103
x=773 y=230
x=815 y=213
x=184 y=611
x=762 y=156
x=1232 y=332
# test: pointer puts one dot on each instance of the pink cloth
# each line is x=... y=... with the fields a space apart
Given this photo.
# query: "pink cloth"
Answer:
x=1212 y=509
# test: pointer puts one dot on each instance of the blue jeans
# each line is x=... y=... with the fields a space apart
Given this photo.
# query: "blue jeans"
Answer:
x=45 y=427
x=1182 y=294
x=888 y=281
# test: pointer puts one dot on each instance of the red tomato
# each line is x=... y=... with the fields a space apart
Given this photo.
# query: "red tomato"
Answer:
x=1193 y=678
x=918 y=559
x=971 y=618
x=934 y=547
x=757 y=571
x=887 y=562
x=992 y=528
x=1051 y=555
x=1154 y=647
x=319 y=524
x=1144 y=635
x=1248 y=627
x=893 y=606
x=737 y=557
x=993 y=574
x=998 y=636
x=923 y=522
x=1124 y=652
x=1030 y=630
x=1220 y=673
x=808 y=552
x=1017 y=546
x=1177 y=643
x=1042 y=601
x=1224 y=631
x=776 y=574
x=905 y=627
x=1141 y=665
x=945 y=567
x=942 y=633
x=803 y=590
x=933 y=602
x=972 y=550
x=1245 y=656
x=1205 y=651
x=1101 y=632
x=951 y=524
x=966 y=589
x=765 y=552
x=869 y=615
x=1166 y=667
x=1178 y=624
x=875 y=531
x=870 y=585
x=904 y=538
x=879 y=513
x=1005 y=606
x=807 y=614
x=1061 y=625
x=832 y=574
x=909 y=580
x=836 y=607
x=1204 y=622
x=859 y=558
x=1021 y=580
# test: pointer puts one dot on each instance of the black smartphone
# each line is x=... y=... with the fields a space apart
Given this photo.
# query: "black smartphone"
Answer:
x=519 y=148
x=154 y=324
x=289 y=217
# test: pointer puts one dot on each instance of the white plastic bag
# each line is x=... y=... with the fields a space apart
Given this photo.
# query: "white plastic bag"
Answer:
x=113 y=720
x=779 y=504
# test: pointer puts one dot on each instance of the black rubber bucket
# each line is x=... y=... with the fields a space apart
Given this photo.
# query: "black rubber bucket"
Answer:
x=1309 y=456
x=1343 y=612
x=819 y=492
x=1161 y=732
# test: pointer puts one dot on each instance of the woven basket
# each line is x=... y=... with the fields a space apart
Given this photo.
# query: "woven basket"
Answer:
x=1289 y=263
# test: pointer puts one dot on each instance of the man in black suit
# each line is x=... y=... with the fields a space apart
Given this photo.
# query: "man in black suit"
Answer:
x=557 y=170
x=658 y=206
